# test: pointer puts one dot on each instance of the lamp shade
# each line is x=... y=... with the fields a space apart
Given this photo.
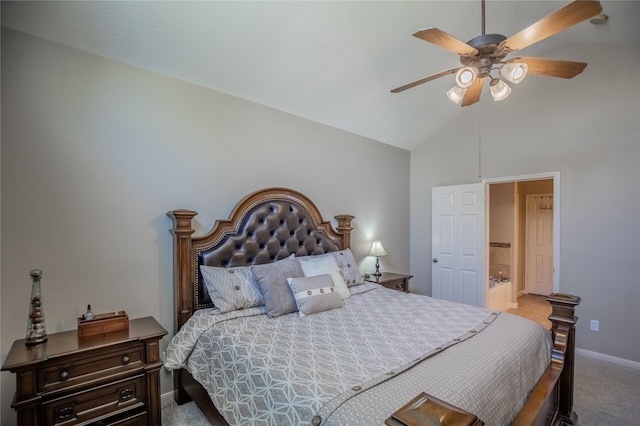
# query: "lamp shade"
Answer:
x=377 y=249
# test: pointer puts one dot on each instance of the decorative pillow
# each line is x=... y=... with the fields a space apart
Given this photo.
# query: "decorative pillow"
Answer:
x=272 y=281
x=231 y=289
x=315 y=294
x=325 y=264
x=347 y=264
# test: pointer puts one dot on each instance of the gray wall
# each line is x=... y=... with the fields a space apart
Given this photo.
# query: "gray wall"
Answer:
x=588 y=130
x=95 y=152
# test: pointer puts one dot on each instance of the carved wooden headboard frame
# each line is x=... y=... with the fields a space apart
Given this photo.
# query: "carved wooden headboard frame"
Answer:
x=263 y=227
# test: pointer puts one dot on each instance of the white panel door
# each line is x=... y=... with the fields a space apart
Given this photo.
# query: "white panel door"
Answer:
x=458 y=246
x=539 y=248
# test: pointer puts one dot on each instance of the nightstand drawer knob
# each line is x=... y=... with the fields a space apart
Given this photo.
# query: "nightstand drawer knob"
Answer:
x=435 y=260
x=65 y=413
x=126 y=359
x=64 y=375
x=126 y=394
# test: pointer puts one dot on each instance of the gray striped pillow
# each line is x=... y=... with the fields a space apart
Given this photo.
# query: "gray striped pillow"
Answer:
x=315 y=294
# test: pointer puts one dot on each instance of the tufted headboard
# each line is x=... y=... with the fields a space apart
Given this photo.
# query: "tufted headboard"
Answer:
x=265 y=226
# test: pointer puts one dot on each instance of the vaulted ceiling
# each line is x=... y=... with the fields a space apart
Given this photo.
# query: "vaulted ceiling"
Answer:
x=332 y=62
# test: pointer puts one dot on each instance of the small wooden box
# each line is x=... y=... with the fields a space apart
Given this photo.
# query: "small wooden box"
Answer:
x=425 y=409
x=103 y=323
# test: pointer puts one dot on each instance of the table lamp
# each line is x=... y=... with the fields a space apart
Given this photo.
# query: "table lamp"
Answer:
x=377 y=250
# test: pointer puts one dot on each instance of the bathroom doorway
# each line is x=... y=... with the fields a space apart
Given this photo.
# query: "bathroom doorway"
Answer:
x=507 y=240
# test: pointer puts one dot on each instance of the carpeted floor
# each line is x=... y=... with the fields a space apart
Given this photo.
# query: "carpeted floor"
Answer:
x=606 y=393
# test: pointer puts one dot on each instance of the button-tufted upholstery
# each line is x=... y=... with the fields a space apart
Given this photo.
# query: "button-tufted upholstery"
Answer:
x=268 y=232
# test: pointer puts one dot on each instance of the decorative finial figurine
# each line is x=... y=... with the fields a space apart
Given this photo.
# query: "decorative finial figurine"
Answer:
x=36 y=329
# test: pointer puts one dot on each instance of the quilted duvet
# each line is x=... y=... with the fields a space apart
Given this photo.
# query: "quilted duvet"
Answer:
x=358 y=364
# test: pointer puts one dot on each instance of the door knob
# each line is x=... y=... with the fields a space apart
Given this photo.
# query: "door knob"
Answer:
x=435 y=260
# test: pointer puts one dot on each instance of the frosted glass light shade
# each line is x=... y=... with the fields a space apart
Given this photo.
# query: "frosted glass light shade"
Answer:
x=377 y=249
x=466 y=76
x=456 y=93
x=499 y=89
x=514 y=72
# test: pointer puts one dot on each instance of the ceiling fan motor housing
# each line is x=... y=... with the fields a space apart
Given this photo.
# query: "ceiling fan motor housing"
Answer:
x=488 y=47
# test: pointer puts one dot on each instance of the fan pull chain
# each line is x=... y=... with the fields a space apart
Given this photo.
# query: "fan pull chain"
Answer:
x=479 y=159
x=479 y=145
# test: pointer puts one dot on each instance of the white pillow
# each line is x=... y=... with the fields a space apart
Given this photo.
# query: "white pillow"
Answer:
x=325 y=264
x=231 y=289
x=315 y=294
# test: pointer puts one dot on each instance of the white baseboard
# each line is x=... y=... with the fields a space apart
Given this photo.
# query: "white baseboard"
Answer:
x=166 y=399
x=608 y=358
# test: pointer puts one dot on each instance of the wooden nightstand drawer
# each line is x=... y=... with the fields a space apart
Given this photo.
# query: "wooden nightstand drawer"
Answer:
x=91 y=366
x=96 y=404
x=137 y=420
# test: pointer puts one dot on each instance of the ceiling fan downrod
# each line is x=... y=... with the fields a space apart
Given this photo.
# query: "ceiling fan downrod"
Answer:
x=482 y=15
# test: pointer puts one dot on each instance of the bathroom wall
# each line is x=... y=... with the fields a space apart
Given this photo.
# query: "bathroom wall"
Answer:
x=500 y=260
x=501 y=229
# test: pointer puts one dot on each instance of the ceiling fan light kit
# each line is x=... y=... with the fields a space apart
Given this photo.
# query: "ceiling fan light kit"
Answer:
x=514 y=72
x=485 y=53
x=466 y=76
x=456 y=93
x=499 y=89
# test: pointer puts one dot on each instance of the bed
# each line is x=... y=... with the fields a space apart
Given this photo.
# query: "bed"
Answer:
x=275 y=326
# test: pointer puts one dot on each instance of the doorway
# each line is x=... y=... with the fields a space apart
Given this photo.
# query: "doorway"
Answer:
x=509 y=214
x=539 y=244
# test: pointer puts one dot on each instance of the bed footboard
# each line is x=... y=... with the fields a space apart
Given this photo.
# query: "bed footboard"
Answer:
x=551 y=402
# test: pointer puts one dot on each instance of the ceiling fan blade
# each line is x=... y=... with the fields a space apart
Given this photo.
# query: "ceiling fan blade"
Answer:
x=423 y=80
x=473 y=92
x=552 y=67
x=558 y=21
x=446 y=41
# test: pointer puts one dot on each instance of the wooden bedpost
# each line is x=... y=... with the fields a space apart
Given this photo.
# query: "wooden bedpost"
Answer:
x=563 y=321
x=183 y=274
x=551 y=401
x=344 y=227
x=182 y=283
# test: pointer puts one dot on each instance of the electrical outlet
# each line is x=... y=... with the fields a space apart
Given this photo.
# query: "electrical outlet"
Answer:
x=595 y=325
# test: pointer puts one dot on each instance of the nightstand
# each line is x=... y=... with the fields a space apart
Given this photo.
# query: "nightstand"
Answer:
x=107 y=379
x=391 y=280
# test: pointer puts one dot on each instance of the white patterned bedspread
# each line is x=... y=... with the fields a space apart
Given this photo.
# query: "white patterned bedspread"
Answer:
x=358 y=364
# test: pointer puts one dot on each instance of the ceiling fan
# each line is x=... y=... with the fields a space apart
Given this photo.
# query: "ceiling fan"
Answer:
x=486 y=53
